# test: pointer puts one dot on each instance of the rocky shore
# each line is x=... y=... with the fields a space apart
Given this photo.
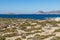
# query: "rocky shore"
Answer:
x=29 y=29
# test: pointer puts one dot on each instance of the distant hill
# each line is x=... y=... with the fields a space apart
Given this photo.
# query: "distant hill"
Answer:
x=49 y=12
x=11 y=13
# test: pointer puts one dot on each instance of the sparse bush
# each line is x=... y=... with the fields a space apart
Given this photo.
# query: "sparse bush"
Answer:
x=18 y=39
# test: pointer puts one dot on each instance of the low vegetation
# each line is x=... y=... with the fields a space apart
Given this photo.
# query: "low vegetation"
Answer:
x=29 y=29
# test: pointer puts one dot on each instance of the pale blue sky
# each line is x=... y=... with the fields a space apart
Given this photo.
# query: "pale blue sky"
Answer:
x=28 y=6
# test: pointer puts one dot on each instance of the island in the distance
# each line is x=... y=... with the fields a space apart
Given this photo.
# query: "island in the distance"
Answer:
x=49 y=12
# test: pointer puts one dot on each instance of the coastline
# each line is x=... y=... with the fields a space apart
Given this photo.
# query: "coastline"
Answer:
x=30 y=16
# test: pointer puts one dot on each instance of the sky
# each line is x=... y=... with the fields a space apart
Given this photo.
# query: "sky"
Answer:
x=28 y=6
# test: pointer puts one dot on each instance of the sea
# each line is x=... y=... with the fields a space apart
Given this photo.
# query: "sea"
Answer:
x=30 y=16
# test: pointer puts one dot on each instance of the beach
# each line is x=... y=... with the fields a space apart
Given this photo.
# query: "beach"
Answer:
x=29 y=29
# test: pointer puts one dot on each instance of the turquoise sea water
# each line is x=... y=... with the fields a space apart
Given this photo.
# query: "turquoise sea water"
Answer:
x=30 y=16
